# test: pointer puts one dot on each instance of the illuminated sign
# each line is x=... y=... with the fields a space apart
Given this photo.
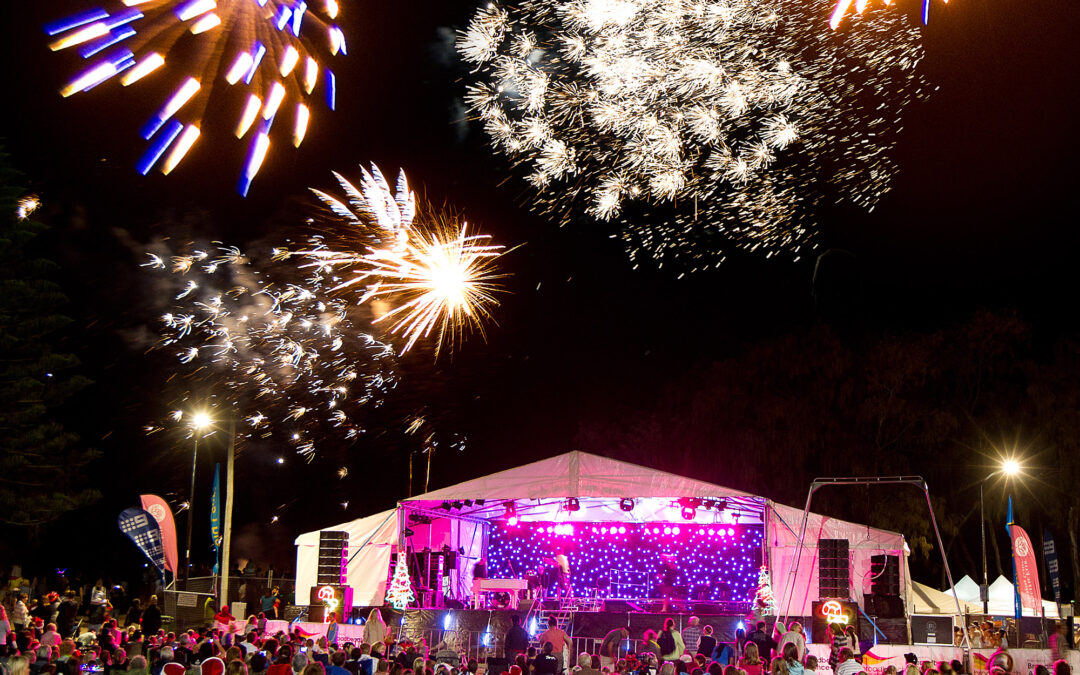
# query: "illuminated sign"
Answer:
x=834 y=612
x=328 y=596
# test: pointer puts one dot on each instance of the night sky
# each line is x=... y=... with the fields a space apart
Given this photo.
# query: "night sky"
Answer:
x=982 y=214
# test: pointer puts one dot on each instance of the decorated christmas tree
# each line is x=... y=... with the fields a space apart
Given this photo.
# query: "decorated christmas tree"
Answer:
x=764 y=602
x=400 y=593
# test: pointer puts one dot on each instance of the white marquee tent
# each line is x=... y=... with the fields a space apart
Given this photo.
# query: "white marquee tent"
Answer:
x=538 y=491
x=1001 y=598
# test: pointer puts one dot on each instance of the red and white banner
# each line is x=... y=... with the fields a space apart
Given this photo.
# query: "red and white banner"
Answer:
x=159 y=509
x=1027 y=570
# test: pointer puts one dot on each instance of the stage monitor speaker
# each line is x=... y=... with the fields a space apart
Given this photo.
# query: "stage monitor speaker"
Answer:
x=927 y=629
x=706 y=608
x=325 y=596
x=333 y=557
x=834 y=569
x=885 y=574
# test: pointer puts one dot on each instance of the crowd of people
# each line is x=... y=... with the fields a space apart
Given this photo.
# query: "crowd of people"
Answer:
x=696 y=651
x=81 y=634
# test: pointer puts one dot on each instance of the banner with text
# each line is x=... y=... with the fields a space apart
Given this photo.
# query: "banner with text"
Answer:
x=159 y=509
x=142 y=529
x=1027 y=570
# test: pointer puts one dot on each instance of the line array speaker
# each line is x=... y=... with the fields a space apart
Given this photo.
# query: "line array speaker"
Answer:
x=834 y=569
x=333 y=557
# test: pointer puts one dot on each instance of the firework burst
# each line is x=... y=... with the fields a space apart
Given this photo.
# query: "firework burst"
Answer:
x=435 y=276
x=696 y=125
x=284 y=358
x=268 y=47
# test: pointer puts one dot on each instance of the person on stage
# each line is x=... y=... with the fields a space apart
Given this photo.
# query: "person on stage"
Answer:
x=479 y=570
x=669 y=574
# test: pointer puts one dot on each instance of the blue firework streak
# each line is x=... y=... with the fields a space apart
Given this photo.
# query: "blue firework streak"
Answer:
x=270 y=47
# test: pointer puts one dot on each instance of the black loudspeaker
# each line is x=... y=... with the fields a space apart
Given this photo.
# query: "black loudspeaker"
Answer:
x=706 y=608
x=333 y=557
x=616 y=606
x=931 y=630
x=885 y=574
x=883 y=606
x=834 y=569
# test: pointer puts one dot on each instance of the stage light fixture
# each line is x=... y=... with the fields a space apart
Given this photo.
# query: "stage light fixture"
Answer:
x=445 y=506
x=721 y=504
x=457 y=505
x=708 y=504
x=512 y=521
x=626 y=504
x=689 y=513
x=510 y=508
x=408 y=532
x=573 y=504
x=481 y=502
x=468 y=502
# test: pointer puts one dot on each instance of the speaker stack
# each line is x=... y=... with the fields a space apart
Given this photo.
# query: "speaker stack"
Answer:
x=330 y=577
x=333 y=557
x=834 y=569
x=885 y=587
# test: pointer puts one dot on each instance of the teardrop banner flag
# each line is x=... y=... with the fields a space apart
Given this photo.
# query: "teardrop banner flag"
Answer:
x=1027 y=570
x=142 y=529
x=159 y=509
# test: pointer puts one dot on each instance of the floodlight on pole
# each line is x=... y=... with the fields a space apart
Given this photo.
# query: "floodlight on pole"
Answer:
x=199 y=421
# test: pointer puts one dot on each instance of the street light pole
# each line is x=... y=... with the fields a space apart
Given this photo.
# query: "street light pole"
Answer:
x=191 y=508
x=984 y=591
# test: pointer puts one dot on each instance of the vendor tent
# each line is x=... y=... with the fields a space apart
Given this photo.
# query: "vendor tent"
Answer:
x=457 y=518
x=1001 y=598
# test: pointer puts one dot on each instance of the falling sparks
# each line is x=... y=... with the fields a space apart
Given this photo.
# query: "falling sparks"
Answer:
x=695 y=125
x=436 y=277
x=26 y=206
x=288 y=359
x=257 y=45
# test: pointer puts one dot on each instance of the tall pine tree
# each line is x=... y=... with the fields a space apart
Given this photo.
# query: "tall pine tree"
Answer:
x=40 y=462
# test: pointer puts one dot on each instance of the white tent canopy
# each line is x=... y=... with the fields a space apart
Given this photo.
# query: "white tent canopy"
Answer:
x=540 y=490
x=1001 y=598
x=927 y=600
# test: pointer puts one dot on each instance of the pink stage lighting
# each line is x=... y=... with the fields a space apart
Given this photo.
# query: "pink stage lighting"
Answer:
x=512 y=521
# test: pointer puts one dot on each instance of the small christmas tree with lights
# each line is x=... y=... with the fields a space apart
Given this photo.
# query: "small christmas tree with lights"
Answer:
x=400 y=593
x=764 y=601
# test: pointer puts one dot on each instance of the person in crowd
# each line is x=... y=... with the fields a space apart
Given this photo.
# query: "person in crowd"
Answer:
x=224 y=616
x=667 y=669
x=337 y=664
x=445 y=654
x=751 y=660
x=691 y=635
x=558 y=637
x=846 y=664
x=611 y=647
x=812 y=662
x=1062 y=667
x=790 y=654
x=258 y=664
x=707 y=643
x=761 y=638
x=517 y=640
x=795 y=636
x=151 y=618
x=19 y=614
x=546 y=662
x=300 y=661
x=649 y=644
x=670 y=642
x=958 y=636
x=778 y=667
x=853 y=642
x=313 y=669
x=589 y=664
x=1059 y=641
x=838 y=639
